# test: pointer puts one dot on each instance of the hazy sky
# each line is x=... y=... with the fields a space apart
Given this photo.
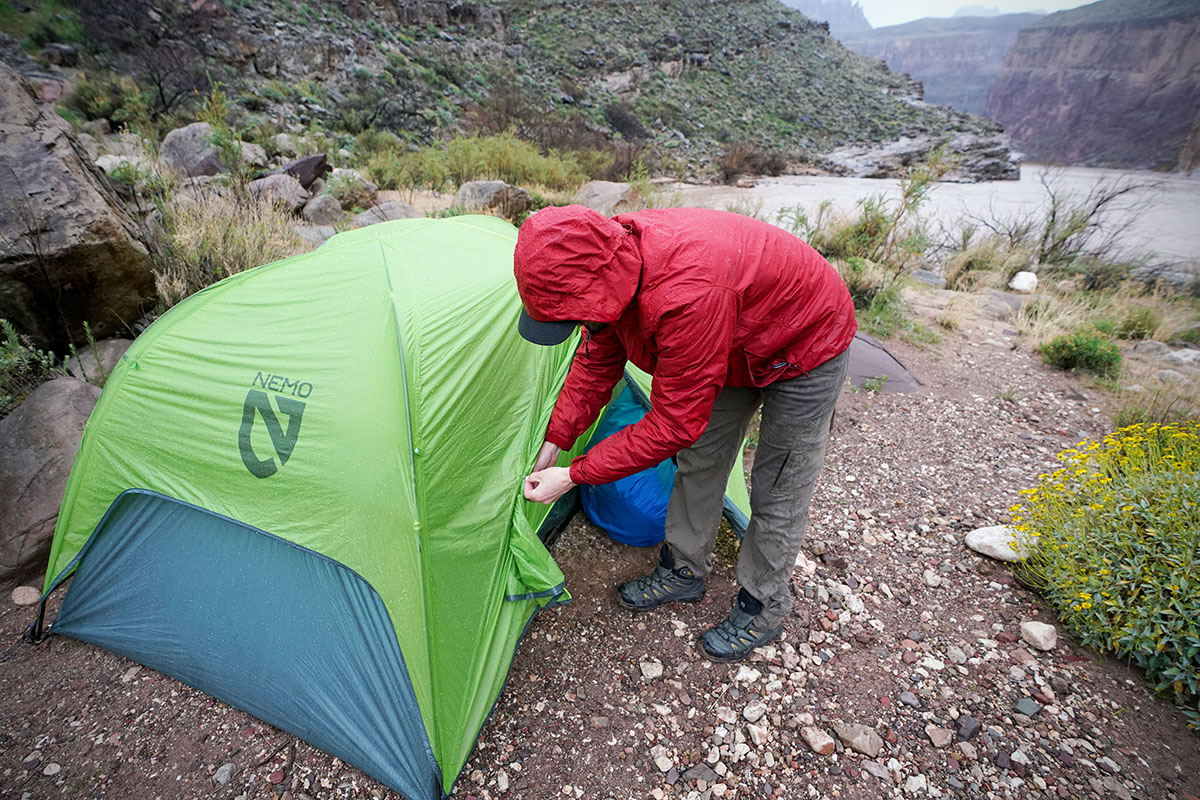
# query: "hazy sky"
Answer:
x=892 y=12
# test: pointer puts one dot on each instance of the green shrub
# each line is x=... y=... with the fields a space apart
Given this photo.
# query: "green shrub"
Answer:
x=101 y=96
x=1113 y=545
x=23 y=367
x=468 y=158
x=1083 y=350
x=1105 y=326
x=1140 y=323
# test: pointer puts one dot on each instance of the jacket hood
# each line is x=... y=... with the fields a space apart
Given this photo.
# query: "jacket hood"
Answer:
x=574 y=264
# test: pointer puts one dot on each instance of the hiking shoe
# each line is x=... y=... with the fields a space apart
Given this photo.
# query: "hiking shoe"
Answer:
x=737 y=637
x=666 y=584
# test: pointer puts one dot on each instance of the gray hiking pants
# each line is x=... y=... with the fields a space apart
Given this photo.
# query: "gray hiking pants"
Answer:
x=796 y=416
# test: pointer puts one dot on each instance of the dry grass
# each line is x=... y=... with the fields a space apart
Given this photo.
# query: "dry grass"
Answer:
x=209 y=236
x=987 y=264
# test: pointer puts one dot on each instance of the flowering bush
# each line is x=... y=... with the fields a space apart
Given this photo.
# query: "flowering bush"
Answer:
x=1114 y=543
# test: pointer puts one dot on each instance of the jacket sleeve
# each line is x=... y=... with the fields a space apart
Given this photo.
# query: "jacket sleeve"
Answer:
x=694 y=342
x=599 y=363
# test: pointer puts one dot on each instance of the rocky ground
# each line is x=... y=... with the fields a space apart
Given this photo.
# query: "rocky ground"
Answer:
x=903 y=671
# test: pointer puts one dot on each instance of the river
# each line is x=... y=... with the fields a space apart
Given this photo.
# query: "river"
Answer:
x=1161 y=216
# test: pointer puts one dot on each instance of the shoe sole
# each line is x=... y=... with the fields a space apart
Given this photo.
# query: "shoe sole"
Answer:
x=670 y=601
x=728 y=658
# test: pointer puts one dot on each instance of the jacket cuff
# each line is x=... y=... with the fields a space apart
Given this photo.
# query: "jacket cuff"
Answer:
x=575 y=471
x=556 y=438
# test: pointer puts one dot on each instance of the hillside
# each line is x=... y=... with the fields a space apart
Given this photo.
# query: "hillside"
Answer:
x=1108 y=84
x=845 y=17
x=956 y=59
x=678 y=82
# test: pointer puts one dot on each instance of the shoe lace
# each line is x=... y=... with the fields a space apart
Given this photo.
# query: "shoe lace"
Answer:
x=733 y=626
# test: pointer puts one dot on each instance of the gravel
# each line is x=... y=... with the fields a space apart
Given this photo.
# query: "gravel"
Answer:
x=601 y=703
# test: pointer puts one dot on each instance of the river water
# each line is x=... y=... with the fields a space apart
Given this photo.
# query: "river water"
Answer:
x=1161 y=216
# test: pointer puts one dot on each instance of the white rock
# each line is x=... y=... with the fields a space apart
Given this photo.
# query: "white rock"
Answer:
x=51 y=769
x=502 y=781
x=758 y=734
x=224 y=772
x=916 y=784
x=997 y=541
x=25 y=596
x=1019 y=757
x=726 y=715
x=1183 y=356
x=1023 y=282
x=651 y=669
x=931 y=578
x=664 y=763
x=1170 y=376
x=754 y=710
x=747 y=674
x=1039 y=635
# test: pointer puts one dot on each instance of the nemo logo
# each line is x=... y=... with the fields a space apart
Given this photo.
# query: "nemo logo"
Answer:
x=258 y=404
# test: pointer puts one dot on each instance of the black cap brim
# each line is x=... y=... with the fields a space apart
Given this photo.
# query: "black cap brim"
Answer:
x=545 y=333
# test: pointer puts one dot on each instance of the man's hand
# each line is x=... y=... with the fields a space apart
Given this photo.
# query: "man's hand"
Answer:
x=546 y=456
x=547 y=485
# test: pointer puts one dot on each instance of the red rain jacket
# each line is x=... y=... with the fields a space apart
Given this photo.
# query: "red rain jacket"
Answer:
x=700 y=299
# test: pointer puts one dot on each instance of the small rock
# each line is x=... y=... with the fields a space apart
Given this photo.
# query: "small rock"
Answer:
x=916 y=784
x=1108 y=765
x=747 y=674
x=877 y=769
x=1039 y=634
x=224 y=772
x=818 y=740
x=51 y=769
x=502 y=781
x=968 y=727
x=909 y=699
x=931 y=578
x=651 y=669
x=941 y=737
x=968 y=750
x=859 y=738
x=997 y=541
x=1027 y=707
x=758 y=734
x=276 y=777
x=754 y=710
x=664 y=763
x=25 y=596
x=1019 y=757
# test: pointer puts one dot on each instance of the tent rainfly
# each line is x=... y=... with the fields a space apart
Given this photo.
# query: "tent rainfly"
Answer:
x=300 y=492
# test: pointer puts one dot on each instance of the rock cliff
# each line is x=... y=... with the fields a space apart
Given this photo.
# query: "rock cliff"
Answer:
x=1115 y=83
x=957 y=60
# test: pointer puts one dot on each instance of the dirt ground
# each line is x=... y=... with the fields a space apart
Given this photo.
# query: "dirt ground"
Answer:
x=897 y=627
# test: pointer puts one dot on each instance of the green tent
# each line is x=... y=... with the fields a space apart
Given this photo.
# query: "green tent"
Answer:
x=300 y=492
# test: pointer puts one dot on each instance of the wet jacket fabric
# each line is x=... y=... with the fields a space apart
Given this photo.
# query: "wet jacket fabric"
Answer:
x=700 y=299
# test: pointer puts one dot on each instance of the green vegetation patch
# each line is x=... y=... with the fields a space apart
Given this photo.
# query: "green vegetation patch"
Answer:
x=1114 y=542
x=1086 y=350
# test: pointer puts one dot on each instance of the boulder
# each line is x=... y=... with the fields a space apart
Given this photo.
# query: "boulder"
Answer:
x=606 y=197
x=254 y=154
x=498 y=196
x=37 y=447
x=188 y=151
x=68 y=250
x=384 y=212
x=60 y=55
x=94 y=363
x=1023 y=282
x=324 y=209
x=309 y=169
x=111 y=163
x=285 y=145
x=928 y=277
x=184 y=148
x=997 y=541
x=282 y=189
x=313 y=236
